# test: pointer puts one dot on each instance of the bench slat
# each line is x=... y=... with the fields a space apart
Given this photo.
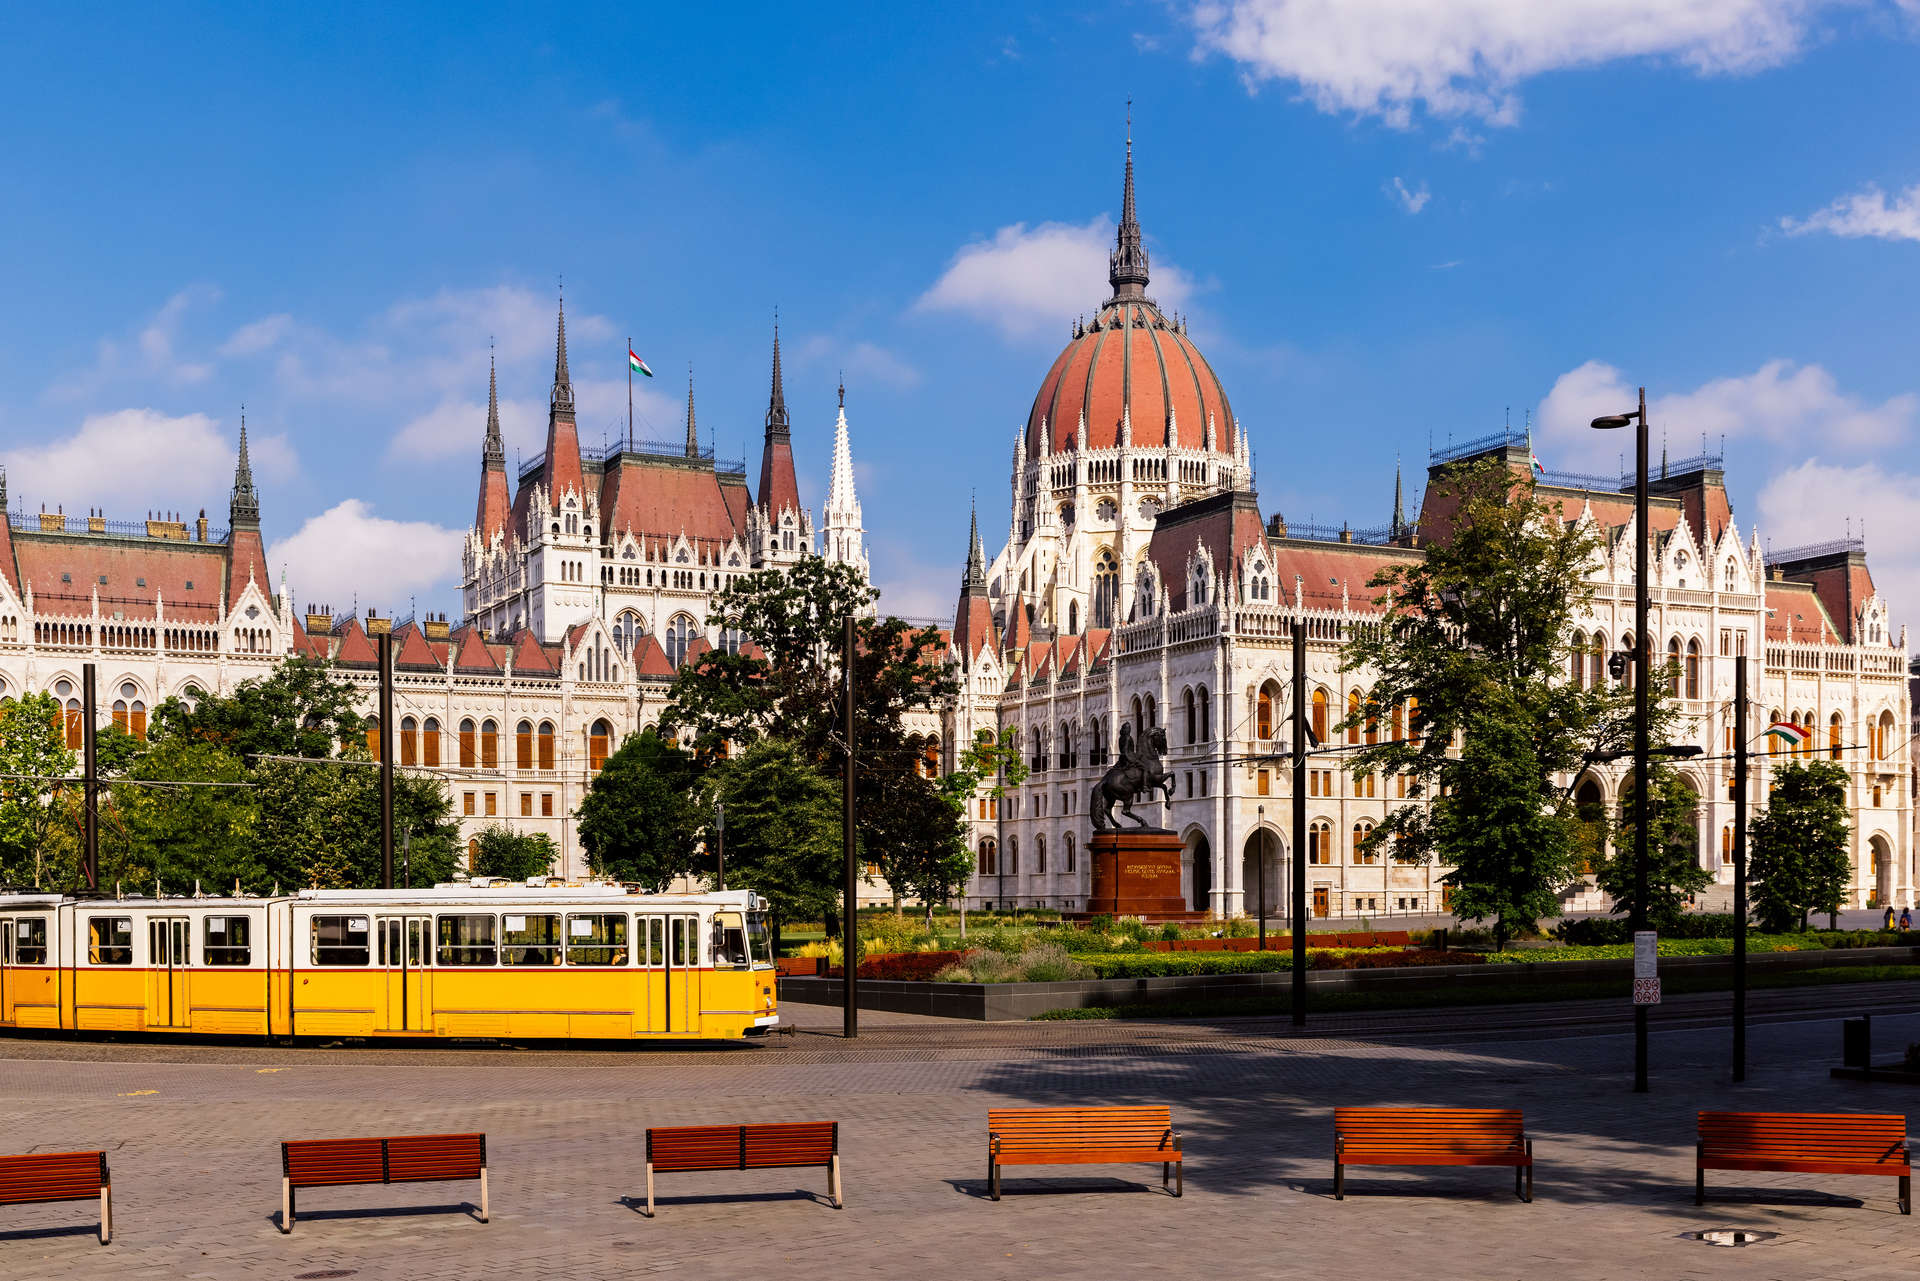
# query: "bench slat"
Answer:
x=742 y=1147
x=1871 y=1143
x=52 y=1176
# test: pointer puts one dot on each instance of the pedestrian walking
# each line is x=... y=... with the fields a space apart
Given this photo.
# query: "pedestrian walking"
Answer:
x=1889 y=922
x=1906 y=918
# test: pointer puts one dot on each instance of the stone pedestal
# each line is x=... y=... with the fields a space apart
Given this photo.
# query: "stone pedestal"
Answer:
x=1136 y=872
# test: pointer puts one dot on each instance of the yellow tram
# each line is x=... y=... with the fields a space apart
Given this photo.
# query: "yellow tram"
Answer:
x=484 y=959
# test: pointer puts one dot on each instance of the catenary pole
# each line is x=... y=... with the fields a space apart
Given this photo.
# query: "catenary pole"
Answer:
x=849 y=924
x=386 y=757
x=1260 y=873
x=90 y=780
x=1299 y=822
x=1740 y=868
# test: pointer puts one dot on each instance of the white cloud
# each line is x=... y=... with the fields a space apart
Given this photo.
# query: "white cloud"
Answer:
x=1466 y=58
x=347 y=553
x=1780 y=402
x=911 y=589
x=151 y=354
x=1027 y=281
x=1865 y=213
x=1411 y=201
x=1810 y=502
x=456 y=427
x=863 y=362
x=141 y=458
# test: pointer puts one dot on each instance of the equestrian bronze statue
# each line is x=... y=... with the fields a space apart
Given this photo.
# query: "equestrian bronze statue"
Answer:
x=1137 y=774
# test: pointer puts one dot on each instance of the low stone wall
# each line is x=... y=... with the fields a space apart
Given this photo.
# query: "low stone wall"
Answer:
x=1002 y=1002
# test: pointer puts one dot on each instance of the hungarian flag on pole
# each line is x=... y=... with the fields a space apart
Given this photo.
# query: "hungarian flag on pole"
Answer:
x=636 y=364
x=1789 y=733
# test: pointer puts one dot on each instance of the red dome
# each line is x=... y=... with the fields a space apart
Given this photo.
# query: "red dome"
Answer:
x=1130 y=358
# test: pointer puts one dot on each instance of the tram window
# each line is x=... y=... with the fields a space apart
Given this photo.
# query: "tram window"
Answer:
x=597 y=940
x=340 y=940
x=465 y=940
x=656 y=941
x=759 y=938
x=30 y=940
x=110 y=940
x=228 y=941
x=729 y=939
x=684 y=941
x=530 y=940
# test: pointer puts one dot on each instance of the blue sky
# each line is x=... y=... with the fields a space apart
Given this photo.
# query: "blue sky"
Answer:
x=1392 y=223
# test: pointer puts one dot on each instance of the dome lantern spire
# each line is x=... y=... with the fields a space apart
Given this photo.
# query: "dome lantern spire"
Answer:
x=1127 y=266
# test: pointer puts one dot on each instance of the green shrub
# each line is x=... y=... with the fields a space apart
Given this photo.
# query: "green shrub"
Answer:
x=1049 y=963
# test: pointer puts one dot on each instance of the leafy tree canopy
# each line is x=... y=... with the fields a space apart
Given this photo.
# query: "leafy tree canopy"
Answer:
x=783 y=830
x=500 y=851
x=637 y=819
x=1673 y=850
x=33 y=748
x=300 y=709
x=1799 y=860
x=1476 y=645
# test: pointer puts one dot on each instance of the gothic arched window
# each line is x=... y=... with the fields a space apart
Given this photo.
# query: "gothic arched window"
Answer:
x=680 y=634
x=1106 y=588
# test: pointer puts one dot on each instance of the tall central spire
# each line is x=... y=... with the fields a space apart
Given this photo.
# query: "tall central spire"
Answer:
x=1127 y=266
x=562 y=402
x=693 y=437
x=777 y=402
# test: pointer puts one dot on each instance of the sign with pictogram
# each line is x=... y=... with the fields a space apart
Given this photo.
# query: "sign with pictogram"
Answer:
x=1646 y=991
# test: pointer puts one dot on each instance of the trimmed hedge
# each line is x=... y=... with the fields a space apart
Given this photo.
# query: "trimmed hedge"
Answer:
x=1162 y=965
x=1713 y=946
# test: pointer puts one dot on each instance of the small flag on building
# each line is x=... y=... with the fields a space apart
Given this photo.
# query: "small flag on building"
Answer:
x=637 y=365
x=1535 y=460
x=1789 y=733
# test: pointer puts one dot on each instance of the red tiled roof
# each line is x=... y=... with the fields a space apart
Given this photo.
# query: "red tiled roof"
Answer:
x=167 y=568
x=696 y=648
x=472 y=654
x=411 y=651
x=778 y=488
x=1136 y=362
x=531 y=658
x=1794 y=608
x=355 y=647
x=662 y=499
x=649 y=659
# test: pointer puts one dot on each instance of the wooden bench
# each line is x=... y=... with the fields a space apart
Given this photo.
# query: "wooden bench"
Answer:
x=1431 y=1136
x=1808 y=1142
x=415 y=1158
x=746 y=1147
x=59 y=1176
x=1083 y=1136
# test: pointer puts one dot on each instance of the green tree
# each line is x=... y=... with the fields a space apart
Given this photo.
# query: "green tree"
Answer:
x=33 y=750
x=637 y=819
x=1477 y=634
x=200 y=830
x=1674 y=873
x=300 y=709
x=320 y=824
x=1799 y=861
x=515 y=856
x=783 y=830
x=787 y=685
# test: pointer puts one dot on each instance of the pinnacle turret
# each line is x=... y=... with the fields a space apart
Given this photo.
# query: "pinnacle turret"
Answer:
x=245 y=506
x=693 y=436
x=494 y=450
x=845 y=539
x=777 y=401
x=562 y=401
x=1399 y=525
x=974 y=583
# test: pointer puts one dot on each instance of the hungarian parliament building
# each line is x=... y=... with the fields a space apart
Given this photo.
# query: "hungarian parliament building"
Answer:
x=1140 y=584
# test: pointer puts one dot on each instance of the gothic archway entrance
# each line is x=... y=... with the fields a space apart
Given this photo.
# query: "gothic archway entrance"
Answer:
x=1200 y=878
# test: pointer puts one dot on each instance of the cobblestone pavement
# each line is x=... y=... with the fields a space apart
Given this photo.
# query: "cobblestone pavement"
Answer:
x=191 y=1132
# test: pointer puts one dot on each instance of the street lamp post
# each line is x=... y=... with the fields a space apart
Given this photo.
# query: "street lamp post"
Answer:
x=720 y=841
x=1642 y=650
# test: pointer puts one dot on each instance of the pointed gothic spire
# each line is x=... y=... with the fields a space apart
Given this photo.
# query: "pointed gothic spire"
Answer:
x=1127 y=267
x=1399 y=526
x=975 y=581
x=562 y=401
x=245 y=507
x=777 y=401
x=494 y=451
x=693 y=437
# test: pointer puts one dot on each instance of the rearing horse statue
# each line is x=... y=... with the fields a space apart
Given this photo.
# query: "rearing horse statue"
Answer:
x=1137 y=774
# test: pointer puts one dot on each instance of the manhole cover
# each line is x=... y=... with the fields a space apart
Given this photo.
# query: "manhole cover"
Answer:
x=325 y=1274
x=1730 y=1237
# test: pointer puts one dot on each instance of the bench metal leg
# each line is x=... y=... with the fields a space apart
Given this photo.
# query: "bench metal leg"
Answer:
x=1339 y=1180
x=833 y=1183
x=286 y=1205
x=649 y=1189
x=1179 y=1178
x=1699 y=1185
x=485 y=1216
x=1906 y=1194
x=993 y=1180
x=106 y=1215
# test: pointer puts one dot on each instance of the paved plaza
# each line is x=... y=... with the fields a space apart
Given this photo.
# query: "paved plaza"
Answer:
x=191 y=1132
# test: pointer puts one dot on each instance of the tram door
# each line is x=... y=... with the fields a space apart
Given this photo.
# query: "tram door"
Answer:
x=167 y=940
x=683 y=973
x=403 y=955
x=7 y=995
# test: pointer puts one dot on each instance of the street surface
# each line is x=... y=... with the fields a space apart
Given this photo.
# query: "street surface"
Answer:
x=192 y=1129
